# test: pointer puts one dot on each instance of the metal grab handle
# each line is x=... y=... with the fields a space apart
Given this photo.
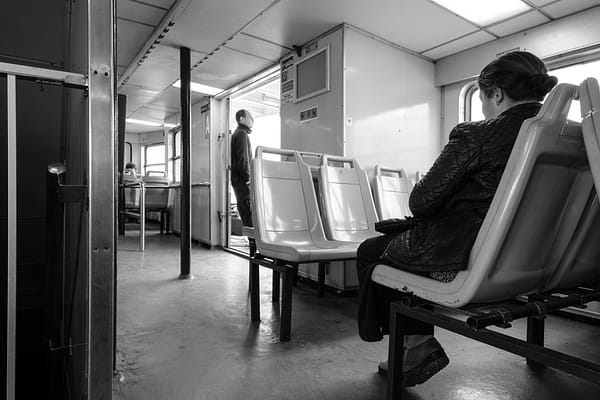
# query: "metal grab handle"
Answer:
x=379 y=169
x=345 y=160
x=271 y=150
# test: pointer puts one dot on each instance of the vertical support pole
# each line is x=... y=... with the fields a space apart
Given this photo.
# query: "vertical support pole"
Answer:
x=535 y=335
x=186 y=185
x=285 y=330
x=121 y=125
x=254 y=287
x=101 y=197
x=395 y=355
x=321 y=279
x=275 y=285
x=11 y=321
x=142 y=239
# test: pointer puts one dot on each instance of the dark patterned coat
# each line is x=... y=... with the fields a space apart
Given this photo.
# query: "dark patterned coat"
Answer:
x=450 y=202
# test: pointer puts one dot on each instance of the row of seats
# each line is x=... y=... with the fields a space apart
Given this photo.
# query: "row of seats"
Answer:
x=539 y=237
x=314 y=208
x=544 y=221
x=155 y=185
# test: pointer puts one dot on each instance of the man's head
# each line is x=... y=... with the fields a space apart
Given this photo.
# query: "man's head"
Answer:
x=245 y=118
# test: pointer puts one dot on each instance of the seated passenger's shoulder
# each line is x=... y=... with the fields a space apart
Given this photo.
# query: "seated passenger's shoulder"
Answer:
x=469 y=129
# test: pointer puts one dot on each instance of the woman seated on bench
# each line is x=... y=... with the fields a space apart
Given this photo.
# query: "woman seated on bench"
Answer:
x=449 y=205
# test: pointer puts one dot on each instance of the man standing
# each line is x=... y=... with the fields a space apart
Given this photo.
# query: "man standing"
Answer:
x=241 y=154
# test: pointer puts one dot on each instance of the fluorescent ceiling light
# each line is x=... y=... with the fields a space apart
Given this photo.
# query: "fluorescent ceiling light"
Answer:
x=140 y=122
x=200 y=88
x=150 y=123
x=484 y=12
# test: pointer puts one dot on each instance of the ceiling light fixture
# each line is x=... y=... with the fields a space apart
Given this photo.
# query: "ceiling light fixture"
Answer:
x=200 y=88
x=484 y=12
x=150 y=123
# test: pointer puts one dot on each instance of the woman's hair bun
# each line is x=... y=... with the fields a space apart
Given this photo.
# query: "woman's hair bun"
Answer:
x=541 y=84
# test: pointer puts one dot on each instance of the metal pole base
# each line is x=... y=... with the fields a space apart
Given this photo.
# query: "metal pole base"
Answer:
x=183 y=277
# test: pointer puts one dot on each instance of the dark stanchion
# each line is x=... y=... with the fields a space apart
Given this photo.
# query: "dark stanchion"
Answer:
x=186 y=187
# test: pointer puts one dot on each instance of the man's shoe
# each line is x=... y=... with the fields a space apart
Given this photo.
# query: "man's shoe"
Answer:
x=421 y=363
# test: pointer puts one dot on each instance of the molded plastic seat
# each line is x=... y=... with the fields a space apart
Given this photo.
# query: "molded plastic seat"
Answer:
x=157 y=197
x=132 y=194
x=287 y=224
x=581 y=264
x=542 y=195
x=391 y=191
x=348 y=210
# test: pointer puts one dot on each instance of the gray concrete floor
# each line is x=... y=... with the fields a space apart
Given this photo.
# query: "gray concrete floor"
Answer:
x=194 y=340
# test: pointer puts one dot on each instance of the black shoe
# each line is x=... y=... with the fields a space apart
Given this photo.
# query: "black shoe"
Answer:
x=422 y=362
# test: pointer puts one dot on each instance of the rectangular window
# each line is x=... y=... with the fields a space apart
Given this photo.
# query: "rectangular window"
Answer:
x=175 y=161
x=574 y=74
x=154 y=156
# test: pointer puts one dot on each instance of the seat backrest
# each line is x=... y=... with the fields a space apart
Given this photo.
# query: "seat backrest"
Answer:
x=156 y=178
x=391 y=191
x=541 y=198
x=348 y=210
x=283 y=200
x=581 y=263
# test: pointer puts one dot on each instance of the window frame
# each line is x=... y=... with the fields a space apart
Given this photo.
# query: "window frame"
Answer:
x=146 y=165
x=176 y=135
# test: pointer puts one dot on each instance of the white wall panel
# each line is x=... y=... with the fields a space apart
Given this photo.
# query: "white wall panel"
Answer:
x=392 y=104
x=324 y=134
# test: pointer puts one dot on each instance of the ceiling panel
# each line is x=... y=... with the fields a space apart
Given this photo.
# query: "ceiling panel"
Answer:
x=170 y=99
x=297 y=22
x=166 y=4
x=540 y=2
x=137 y=96
x=519 y=23
x=227 y=67
x=160 y=69
x=130 y=39
x=205 y=25
x=472 y=40
x=258 y=47
x=566 y=7
x=151 y=114
x=140 y=12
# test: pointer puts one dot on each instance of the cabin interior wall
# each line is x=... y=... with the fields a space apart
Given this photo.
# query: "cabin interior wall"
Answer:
x=392 y=108
x=206 y=129
x=51 y=127
x=558 y=37
x=455 y=71
x=325 y=133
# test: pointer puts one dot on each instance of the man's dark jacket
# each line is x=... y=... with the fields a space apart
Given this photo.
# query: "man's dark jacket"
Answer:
x=241 y=154
x=450 y=202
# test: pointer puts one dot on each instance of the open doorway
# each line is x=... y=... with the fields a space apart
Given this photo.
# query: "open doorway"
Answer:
x=263 y=102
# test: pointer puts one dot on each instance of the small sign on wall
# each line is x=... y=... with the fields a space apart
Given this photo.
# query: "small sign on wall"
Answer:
x=309 y=114
x=287 y=79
